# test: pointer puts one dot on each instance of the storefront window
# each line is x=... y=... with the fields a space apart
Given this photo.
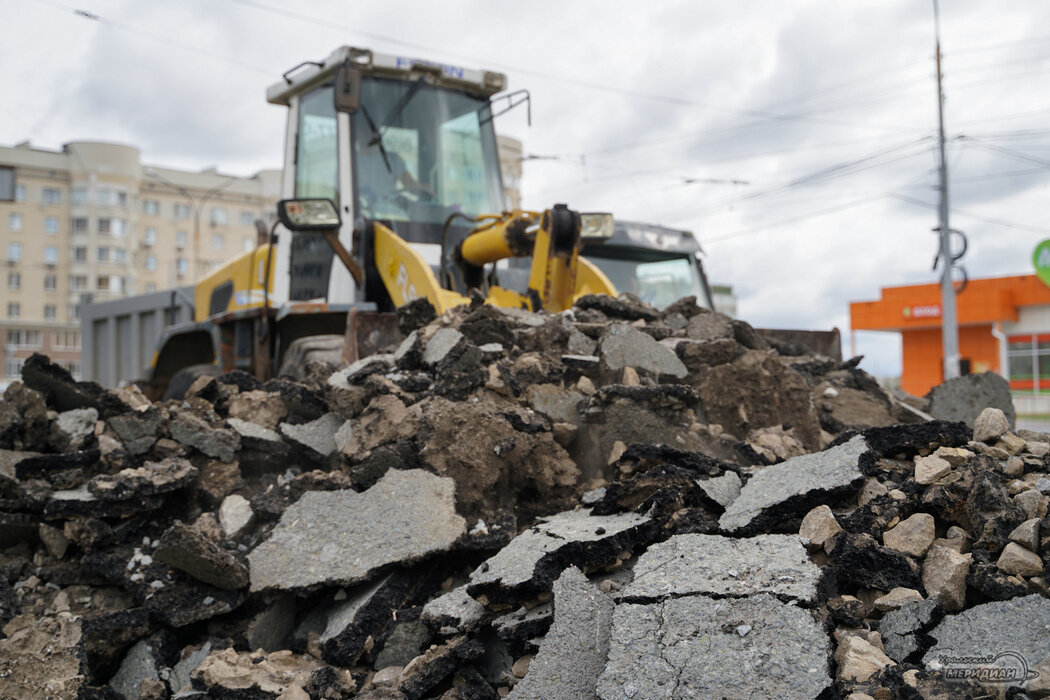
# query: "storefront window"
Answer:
x=1028 y=360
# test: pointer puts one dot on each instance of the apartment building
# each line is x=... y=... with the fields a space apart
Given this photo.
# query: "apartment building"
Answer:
x=92 y=222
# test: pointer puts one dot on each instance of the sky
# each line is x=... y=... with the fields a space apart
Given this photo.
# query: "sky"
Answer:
x=797 y=139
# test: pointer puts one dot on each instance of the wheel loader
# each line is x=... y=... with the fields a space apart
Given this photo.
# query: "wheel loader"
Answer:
x=391 y=192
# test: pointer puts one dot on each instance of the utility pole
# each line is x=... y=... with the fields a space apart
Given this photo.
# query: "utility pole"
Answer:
x=949 y=318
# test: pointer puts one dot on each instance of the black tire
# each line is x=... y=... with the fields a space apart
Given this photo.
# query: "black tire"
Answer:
x=312 y=348
x=184 y=378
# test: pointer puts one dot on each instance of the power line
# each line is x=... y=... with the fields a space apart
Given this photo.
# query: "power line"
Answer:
x=792 y=220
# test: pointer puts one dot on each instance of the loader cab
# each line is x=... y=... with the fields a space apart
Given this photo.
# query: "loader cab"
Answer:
x=401 y=141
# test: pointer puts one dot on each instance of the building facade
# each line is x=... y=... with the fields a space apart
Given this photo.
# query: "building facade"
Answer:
x=91 y=222
x=1004 y=327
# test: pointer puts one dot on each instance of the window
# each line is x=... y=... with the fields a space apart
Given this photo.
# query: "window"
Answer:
x=247 y=218
x=1028 y=362
x=180 y=267
x=180 y=239
x=119 y=228
x=80 y=254
x=150 y=287
x=105 y=225
x=51 y=196
x=150 y=207
x=182 y=211
x=78 y=283
x=79 y=195
x=7 y=185
x=50 y=283
x=315 y=171
x=218 y=216
x=14 y=367
x=49 y=312
x=14 y=310
x=14 y=280
x=121 y=198
x=14 y=221
x=151 y=262
x=120 y=255
x=102 y=283
x=80 y=224
x=73 y=367
x=20 y=193
x=150 y=237
x=14 y=252
x=21 y=339
x=65 y=340
x=51 y=255
x=51 y=224
x=74 y=312
x=102 y=255
x=104 y=196
x=217 y=242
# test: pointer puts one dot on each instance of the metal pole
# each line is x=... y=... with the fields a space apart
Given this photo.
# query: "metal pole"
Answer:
x=949 y=319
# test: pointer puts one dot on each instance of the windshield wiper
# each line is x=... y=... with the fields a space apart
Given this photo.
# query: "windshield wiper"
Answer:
x=377 y=133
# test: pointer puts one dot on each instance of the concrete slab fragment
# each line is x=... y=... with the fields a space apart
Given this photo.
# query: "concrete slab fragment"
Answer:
x=792 y=484
x=574 y=652
x=725 y=566
x=690 y=648
x=343 y=537
x=533 y=559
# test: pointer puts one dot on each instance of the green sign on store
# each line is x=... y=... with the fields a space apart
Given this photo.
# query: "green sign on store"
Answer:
x=1041 y=260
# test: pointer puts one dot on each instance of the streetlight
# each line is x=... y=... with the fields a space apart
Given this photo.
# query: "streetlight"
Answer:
x=198 y=205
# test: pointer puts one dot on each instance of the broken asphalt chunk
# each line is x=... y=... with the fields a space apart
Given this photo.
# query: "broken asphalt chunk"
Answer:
x=151 y=479
x=187 y=549
x=794 y=485
x=725 y=566
x=573 y=653
x=690 y=648
x=343 y=537
x=533 y=559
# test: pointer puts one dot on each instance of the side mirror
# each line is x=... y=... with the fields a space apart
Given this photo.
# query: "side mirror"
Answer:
x=347 y=89
x=308 y=214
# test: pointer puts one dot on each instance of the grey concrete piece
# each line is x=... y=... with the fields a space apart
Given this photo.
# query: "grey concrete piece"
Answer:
x=343 y=435
x=367 y=366
x=441 y=345
x=518 y=563
x=491 y=351
x=76 y=426
x=899 y=628
x=963 y=398
x=725 y=566
x=138 y=431
x=689 y=648
x=180 y=672
x=556 y=403
x=234 y=514
x=625 y=346
x=317 y=435
x=791 y=482
x=1019 y=625
x=193 y=431
x=139 y=663
x=723 y=490
x=573 y=653
x=342 y=537
x=453 y=612
x=247 y=429
x=269 y=629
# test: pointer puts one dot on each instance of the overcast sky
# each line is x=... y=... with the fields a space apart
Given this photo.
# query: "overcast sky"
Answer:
x=796 y=139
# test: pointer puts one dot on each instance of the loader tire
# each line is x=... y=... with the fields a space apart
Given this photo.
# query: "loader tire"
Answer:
x=184 y=378
x=313 y=348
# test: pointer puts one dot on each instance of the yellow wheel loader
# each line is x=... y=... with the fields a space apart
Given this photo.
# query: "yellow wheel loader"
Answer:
x=391 y=192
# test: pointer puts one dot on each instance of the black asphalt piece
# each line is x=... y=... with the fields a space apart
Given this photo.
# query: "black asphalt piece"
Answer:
x=640 y=457
x=619 y=308
x=63 y=393
x=906 y=441
x=46 y=465
x=437 y=664
x=993 y=584
x=903 y=630
x=662 y=490
x=188 y=550
x=991 y=512
x=861 y=560
x=367 y=610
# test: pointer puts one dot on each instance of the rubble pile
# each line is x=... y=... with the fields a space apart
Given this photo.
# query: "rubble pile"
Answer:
x=612 y=502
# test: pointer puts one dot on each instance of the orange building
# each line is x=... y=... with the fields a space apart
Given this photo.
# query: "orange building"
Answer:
x=1004 y=327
